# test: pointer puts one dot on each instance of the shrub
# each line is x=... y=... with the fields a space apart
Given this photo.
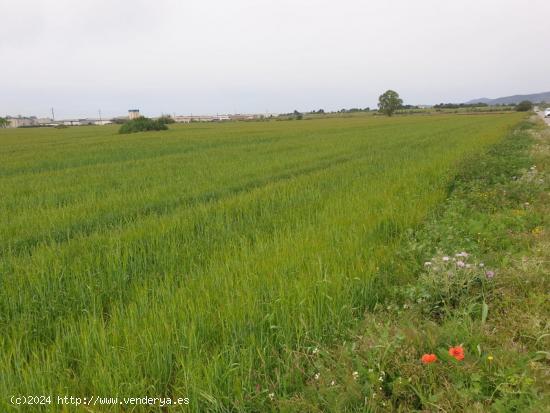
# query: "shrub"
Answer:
x=142 y=124
x=524 y=106
x=167 y=119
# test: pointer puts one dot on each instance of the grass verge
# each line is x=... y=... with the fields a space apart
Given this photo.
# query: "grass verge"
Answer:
x=477 y=278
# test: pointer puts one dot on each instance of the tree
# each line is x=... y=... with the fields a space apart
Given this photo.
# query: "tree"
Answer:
x=524 y=106
x=4 y=123
x=389 y=102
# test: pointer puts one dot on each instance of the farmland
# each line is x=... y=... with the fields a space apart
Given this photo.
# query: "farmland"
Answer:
x=195 y=262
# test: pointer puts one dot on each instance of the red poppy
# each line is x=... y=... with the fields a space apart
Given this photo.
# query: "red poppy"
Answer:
x=428 y=358
x=457 y=352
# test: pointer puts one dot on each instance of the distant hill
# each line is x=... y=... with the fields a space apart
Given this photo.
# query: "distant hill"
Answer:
x=534 y=97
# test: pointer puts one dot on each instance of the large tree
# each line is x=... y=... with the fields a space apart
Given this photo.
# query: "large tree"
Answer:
x=4 y=123
x=389 y=102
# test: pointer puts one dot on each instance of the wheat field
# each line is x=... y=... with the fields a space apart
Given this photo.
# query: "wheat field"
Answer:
x=195 y=262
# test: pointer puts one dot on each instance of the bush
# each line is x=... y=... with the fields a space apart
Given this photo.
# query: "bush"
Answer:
x=167 y=119
x=142 y=124
x=524 y=106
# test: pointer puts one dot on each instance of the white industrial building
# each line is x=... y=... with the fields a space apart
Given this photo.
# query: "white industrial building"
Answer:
x=133 y=114
x=19 y=121
x=28 y=121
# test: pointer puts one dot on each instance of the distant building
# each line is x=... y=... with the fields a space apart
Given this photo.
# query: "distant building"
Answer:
x=241 y=116
x=183 y=119
x=87 y=121
x=21 y=121
x=217 y=118
x=71 y=122
x=200 y=118
x=133 y=114
x=29 y=121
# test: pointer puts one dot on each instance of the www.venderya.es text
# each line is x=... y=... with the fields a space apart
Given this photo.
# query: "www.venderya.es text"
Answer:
x=98 y=401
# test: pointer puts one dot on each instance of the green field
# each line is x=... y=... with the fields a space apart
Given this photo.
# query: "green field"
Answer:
x=195 y=262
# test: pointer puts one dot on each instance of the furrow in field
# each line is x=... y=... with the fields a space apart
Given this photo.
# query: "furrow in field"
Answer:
x=114 y=149
x=120 y=157
x=22 y=231
x=120 y=218
x=64 y=273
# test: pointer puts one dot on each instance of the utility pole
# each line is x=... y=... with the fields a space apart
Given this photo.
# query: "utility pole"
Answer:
x=53 y=115
x=100 y=121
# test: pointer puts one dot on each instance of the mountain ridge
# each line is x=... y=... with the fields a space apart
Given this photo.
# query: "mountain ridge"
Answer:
x=533 y=97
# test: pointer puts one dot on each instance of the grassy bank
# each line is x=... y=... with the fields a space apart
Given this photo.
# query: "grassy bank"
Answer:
x=478 y=279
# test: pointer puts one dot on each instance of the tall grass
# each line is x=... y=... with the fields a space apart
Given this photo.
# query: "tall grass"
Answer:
x=193 y=263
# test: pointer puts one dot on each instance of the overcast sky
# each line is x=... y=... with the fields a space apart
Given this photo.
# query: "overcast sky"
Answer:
x=219 y=56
